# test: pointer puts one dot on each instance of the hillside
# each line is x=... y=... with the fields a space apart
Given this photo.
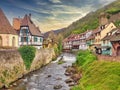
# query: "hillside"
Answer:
x=90 y=21
x=56 y=32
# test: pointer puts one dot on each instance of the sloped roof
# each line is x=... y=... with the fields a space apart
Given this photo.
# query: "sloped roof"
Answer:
x=90 y=37
x=108 y=37
x=116 y=36
x=28 y=22
x=5 y=26
x=96 y=30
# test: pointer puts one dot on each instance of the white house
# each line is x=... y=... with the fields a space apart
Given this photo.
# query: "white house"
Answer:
x=83 y=44
x=29 y=34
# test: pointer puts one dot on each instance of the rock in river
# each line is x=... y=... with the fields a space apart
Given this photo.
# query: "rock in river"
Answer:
x=69 y=80
x=57 y=86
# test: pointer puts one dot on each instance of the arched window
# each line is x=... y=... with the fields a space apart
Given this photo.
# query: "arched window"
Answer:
x=0 y=41
x=13 y=42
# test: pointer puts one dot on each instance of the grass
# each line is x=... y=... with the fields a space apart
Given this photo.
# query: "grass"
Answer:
x=99 y=75
x=84 y=58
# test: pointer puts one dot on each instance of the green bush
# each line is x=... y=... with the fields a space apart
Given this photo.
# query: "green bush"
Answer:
x=84 y=58
x=28 y=54
x=56 y=50
x=117 y=23
x=113 y=11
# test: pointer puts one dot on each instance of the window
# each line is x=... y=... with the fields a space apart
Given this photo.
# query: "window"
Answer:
x=107 y=42
x=24 y=39
x=0 y=41
x=98 y=40
x=26 y=31
x=99 y=34
x=41 y=39
x=21 y=31
x=104 y=42
x=21 y=39
x=35 y=39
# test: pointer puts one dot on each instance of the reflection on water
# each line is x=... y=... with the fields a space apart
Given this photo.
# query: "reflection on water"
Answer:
x=47 y=77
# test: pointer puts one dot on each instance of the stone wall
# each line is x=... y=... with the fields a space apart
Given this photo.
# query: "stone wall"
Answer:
x=12 y=66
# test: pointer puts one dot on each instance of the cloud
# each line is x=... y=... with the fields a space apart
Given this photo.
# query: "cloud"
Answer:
x=41 y=3
x=55 y=1
x=52 y=14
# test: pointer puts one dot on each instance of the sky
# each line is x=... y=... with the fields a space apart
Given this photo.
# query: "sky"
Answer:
x=51 y=14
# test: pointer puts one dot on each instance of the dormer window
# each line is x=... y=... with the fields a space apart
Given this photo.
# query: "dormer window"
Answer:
x=102 y=27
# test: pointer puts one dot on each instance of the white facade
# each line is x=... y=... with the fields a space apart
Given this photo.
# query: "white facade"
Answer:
x=67 y=45
x=25 y=38
x=83 y=44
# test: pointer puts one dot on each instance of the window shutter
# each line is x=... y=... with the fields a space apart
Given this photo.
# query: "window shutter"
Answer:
x=27 y=39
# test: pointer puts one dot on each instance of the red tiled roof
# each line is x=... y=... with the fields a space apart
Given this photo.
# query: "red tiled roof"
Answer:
x=72 y=37
x=75 y=37
x=5 y=26
x=28 y=22
x=96 y=30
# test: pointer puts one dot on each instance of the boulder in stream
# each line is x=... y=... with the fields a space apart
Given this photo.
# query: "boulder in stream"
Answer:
x=57 y=87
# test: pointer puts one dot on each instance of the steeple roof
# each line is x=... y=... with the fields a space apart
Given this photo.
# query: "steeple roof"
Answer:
x=26 y=21
x=5 y=26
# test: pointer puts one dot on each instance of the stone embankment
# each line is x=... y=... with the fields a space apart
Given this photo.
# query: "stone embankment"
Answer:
x=12 y=66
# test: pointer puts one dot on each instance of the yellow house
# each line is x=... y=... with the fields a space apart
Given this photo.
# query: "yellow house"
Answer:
x=104 y=27
x=102 y=31
x=8 y=36
x=97 y=38
x=107 y=29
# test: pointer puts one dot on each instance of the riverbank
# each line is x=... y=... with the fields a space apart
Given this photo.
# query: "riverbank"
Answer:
x=97 y=74
x=12 y=66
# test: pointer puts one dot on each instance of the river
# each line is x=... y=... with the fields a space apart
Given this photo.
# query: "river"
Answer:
x=48 y=77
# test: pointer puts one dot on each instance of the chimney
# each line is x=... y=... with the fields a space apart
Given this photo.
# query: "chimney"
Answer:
x=30 y=15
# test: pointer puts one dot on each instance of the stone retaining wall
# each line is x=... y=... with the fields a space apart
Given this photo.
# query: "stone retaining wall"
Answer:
x=12 y=66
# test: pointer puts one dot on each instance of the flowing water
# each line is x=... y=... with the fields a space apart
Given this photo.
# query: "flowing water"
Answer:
x=47 y=77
